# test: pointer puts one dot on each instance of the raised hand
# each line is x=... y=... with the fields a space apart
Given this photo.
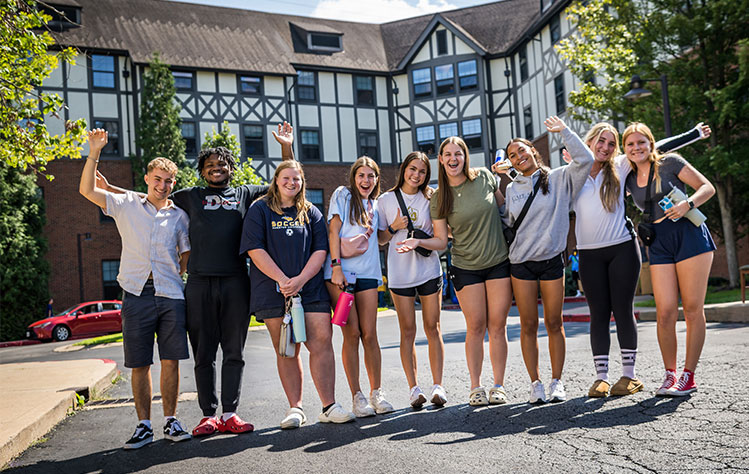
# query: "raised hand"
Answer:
x=101 y=181
x=97 y=139
x=285 y=134
x=554 y=124
x=705 y=131
x=566 y=156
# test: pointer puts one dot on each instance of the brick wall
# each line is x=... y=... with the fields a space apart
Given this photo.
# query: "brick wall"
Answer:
x=329 y=177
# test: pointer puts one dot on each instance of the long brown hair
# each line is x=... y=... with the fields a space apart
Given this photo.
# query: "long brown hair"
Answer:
x=611 y=182
x=654 y=158
x=273 y=198
x=358 y=214
x=444 y=196
x=544 y=170
x=423 y=187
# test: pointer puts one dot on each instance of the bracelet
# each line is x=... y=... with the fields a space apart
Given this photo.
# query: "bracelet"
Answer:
x=335 y=262
x=95 y=161
x=391 y=230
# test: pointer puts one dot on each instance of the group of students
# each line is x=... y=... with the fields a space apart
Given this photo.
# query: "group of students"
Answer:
x=503 y=245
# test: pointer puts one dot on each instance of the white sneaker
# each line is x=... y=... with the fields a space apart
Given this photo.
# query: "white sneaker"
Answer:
x=378 y=402
x=538 y=393
x=417 y=397
x=497 y=396
x=556 y=391
x=336 y=414
x=477 y=397
x=295 y=418
x=439 y=397
x=669 y=380
x=361 y=406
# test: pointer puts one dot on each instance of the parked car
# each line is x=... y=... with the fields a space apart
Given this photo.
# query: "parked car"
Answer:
x=83 y=319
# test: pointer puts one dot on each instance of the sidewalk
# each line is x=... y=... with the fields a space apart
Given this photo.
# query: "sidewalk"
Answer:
x=35 y=396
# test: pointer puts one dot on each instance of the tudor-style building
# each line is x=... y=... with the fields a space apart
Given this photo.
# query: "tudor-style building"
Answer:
x=487 y=73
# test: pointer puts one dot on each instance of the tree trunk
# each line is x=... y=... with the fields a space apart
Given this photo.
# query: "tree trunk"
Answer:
x=724 y=190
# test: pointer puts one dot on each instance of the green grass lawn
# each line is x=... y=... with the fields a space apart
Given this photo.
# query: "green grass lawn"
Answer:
x=713 y=296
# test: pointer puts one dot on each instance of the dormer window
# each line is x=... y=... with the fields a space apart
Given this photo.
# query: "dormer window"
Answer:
x=65 y=15
x=316 y=38
x=324 y=42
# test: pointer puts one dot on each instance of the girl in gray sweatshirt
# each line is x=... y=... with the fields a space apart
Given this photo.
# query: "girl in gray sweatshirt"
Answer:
x=540 y=239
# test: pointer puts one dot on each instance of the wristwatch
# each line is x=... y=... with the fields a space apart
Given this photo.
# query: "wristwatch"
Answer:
x=691 y=204
x=391 y=230
x=335 y=262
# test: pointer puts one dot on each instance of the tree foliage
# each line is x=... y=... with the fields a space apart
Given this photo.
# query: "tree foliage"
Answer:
x=23 y=279
x=25 y=61
x=159 y=132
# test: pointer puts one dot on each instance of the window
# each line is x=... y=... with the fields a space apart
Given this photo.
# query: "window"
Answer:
x=467 y=75
x=528 y=122
x=254 y=142
x=445 y=77
x=559 y=94
x=324 y=42
x=523 y=60
x=109 y=271
x=316 y=198
x=364 y=90
x=306 y=86
x=441 y=42
x=425 y=139
x=555 y=28
x=190 y=136
x=422 y=82
x=368 y=144
x=113 y=127
x=250 y=85
x=310 y=145
x=103 y=71
x=449 y=129
x=183 y=81
x=472 y=133
x=110 y=306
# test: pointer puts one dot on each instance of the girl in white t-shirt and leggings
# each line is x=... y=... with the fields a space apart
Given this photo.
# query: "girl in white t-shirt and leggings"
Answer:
x=410 y=273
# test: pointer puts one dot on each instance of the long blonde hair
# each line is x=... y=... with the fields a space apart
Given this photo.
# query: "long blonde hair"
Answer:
x=611 y=181
x=654 y=158
x=358 y=213
x=273 y=198
x=444 y=196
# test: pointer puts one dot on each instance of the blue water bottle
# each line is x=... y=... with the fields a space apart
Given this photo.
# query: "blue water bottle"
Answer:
x=297 y=319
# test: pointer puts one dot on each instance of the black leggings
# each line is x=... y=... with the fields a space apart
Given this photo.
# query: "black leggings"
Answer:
x=609 y=276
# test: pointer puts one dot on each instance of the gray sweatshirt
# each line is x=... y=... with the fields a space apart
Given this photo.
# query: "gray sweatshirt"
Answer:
x=543 y=232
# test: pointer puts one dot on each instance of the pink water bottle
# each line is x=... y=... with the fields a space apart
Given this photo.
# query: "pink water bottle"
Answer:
x=343 y=306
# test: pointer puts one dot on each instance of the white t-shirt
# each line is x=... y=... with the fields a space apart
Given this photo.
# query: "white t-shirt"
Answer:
x=595 y=227
x=406 y=270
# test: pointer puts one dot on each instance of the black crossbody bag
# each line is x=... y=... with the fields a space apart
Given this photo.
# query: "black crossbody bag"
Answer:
x=511 y=231
x=646 y=228
x=412 y=232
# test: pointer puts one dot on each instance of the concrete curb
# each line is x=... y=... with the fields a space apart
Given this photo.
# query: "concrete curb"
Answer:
x=32 y=403
x=734 y=312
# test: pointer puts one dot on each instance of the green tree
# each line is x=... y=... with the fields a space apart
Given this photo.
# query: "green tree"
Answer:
x=159 y=132
x=25 y=61
x=244 y=174
x=23 y=279
x=700 y=47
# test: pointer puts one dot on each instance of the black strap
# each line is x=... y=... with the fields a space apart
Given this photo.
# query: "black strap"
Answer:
x=527 y=206
x=404 y=210
x=648 y=214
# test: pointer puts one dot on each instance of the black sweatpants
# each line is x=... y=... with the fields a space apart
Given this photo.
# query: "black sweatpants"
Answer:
x=609 y=276
x=218 y=314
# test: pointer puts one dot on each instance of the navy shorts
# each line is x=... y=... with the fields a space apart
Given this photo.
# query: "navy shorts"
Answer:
x=677 y=241
x=278 y=311
x=551 y=269
x=146 y=315
x=461 y=277
x=425 y=289
x=362 y=284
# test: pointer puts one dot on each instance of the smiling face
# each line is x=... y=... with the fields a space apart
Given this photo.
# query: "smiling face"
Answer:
x=453 y=159
x=365 y=179
x=216 y=171
x=160 y=184
x=289 y=183
x=604 y=146
x=638 y=147
x=414 y=175
x=522 y=158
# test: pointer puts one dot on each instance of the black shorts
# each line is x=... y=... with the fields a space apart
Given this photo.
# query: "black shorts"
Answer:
x=425 y=289
x=146 y=315
x=278 y=311
x=461 y=278
x=362 y=284
x=550 y=269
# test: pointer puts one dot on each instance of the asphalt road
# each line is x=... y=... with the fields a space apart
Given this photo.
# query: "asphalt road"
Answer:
x=640 y=433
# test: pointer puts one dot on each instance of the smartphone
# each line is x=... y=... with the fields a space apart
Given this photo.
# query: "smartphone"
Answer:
x=666 y=203
x=501 y=158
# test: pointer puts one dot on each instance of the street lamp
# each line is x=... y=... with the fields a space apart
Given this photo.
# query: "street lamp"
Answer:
x=86 y=236
x=637 y=91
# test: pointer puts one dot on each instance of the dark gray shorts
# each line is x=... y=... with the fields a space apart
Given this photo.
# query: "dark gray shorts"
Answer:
x=278 y=312
x=146 y=315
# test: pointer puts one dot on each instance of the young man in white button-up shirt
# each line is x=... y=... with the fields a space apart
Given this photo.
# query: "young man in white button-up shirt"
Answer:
x=155 y=247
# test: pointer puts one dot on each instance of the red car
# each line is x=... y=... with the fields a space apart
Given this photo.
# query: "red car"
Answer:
x=90 y=318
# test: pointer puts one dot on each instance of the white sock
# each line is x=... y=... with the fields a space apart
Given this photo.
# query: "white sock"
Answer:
x=602 y=367
x=145 y=422
x=227 y=415
x=628 y=362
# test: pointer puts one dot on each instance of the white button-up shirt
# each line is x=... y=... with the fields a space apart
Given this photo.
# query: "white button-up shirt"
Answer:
x=152 y=241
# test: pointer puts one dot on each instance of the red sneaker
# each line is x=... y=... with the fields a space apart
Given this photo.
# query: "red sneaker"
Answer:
x=668 y=381
x=684 y=386
x=207 y=426
x=235 y=425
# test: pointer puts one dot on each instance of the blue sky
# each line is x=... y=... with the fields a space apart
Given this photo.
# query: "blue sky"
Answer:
x=369 y=11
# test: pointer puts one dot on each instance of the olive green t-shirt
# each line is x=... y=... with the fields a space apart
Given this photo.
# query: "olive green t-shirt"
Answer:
x=478 y=241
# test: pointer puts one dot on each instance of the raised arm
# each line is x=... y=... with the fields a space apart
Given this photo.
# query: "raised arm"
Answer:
x=699 y=132
x=285 y=137
x=97 y=139
x=582 y=158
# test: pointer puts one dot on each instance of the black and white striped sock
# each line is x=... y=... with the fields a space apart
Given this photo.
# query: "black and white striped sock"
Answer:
x=602 y=367
x=628 y=362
